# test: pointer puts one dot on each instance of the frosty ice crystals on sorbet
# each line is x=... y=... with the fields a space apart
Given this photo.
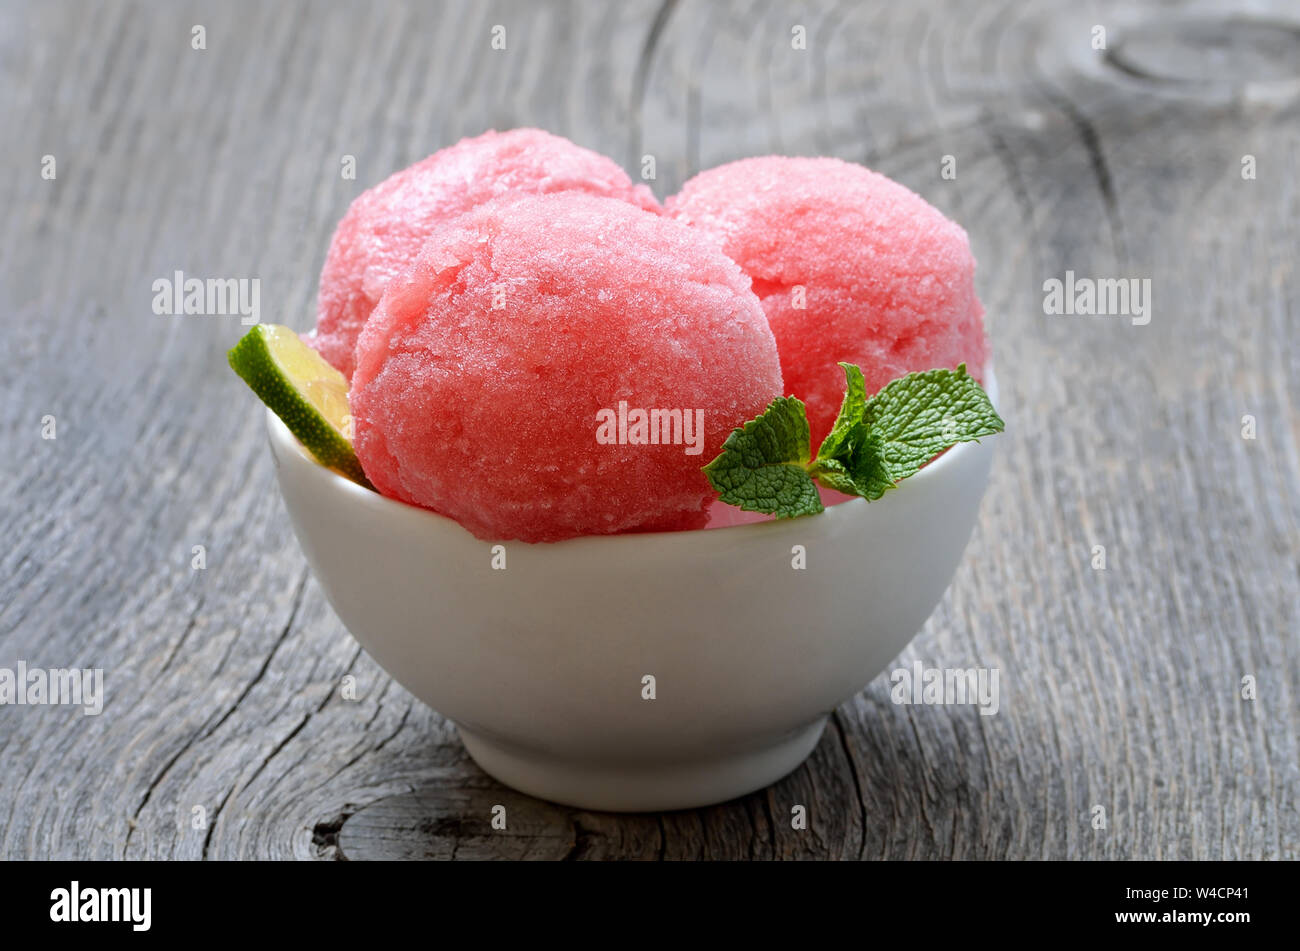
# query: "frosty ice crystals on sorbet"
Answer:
x=850 y=266
x=386 y=226
x=483 y=371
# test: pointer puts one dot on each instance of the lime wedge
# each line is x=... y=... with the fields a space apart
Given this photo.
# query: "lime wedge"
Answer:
x=308 y=394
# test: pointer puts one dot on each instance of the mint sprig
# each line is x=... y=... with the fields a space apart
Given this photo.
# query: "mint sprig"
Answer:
x=765 y=466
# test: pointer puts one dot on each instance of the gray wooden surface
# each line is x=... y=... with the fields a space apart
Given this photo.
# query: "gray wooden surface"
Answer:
x=1121 y=688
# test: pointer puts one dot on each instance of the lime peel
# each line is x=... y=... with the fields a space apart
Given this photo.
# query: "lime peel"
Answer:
x=300 y=387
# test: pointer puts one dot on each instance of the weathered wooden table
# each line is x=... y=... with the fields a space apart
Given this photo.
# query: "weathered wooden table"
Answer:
x=1159 y=693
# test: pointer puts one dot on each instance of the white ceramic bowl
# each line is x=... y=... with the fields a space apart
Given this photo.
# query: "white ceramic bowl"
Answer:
x=542 y=665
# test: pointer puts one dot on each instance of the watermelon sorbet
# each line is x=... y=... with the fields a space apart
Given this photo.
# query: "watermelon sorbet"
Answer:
x=386 y=226
x=849 y=265
x=505 y=377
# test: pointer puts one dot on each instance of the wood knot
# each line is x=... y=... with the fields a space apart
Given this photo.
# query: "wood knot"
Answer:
x=1232 y=50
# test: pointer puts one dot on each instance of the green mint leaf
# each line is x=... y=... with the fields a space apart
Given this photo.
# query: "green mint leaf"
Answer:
x=763 y=465
x=877 y=442
x=850 y=459
x=855 y=400
x=860 y=468
x=920 y=415
x=874 y=444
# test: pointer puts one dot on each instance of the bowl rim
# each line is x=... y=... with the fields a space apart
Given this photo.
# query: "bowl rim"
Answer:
x=279 y=433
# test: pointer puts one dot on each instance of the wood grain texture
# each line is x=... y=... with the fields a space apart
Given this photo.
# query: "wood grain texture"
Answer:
x=1121 y=688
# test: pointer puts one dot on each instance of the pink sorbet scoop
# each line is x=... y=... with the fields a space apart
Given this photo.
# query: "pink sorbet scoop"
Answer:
x=386 y=226
x=560 y=365
x=849 y=265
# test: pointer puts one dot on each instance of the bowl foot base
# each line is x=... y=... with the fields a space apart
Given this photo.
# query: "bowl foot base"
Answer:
x=657 y=786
